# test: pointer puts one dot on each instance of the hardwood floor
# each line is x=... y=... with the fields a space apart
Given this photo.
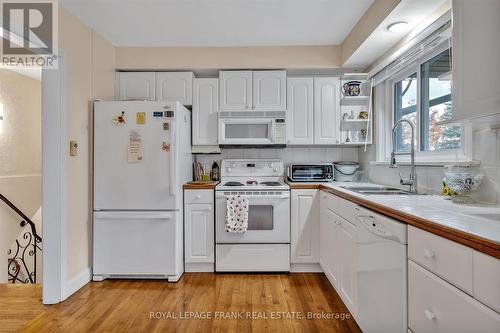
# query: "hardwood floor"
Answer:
x=228 y=300
x=19 y=304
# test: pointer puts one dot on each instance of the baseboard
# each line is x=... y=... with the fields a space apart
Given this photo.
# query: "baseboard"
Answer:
x=76 y=283
x=306 y=268
x=199 y=267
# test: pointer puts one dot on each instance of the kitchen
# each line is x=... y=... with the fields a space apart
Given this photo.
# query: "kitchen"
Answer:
x=301 y=195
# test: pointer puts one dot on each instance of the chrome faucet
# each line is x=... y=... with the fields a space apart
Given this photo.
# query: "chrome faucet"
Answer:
x=412 y=180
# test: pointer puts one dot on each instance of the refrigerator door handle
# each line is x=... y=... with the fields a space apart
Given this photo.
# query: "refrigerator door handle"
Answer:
x=133 y=215
x=171 y=159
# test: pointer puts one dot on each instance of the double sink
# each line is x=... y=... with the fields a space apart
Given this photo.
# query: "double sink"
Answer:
x=377 y=190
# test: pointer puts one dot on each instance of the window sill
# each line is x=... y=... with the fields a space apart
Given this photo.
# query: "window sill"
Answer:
x=432 y=163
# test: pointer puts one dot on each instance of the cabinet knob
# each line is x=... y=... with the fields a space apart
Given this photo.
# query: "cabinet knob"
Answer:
x=429 y=254
x=198 y=196
x=209 y=208
x=429 y=315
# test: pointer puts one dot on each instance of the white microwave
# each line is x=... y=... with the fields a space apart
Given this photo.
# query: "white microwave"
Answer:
x=252 y=128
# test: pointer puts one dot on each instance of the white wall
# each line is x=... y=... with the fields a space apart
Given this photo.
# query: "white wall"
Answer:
x=486 y=149
x=20 y=155
x=90 y=66
x=288 y=155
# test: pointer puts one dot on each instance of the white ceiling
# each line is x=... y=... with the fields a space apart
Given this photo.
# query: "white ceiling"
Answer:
x=220 y=22
x=415 y=12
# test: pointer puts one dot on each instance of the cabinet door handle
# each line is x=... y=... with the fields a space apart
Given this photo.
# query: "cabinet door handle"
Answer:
x=429 y=254
x=429 y=315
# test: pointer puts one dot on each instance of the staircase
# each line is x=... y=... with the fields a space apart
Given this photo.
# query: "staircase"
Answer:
x=25 y=254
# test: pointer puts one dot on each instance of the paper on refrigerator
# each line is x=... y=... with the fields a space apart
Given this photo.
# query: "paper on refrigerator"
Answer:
x=135 y=147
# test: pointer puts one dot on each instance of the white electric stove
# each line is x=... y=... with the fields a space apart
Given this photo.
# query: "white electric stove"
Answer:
x=265 y=246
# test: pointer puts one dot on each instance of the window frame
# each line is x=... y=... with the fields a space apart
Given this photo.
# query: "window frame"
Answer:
x=387 y=119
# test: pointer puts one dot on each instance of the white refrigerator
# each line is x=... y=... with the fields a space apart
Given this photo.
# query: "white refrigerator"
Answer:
x=142 y=157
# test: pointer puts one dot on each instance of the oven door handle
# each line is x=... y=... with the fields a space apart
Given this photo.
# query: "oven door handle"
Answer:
x=265 y=196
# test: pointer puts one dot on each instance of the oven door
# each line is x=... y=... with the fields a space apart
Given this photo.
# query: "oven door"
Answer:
x=268 y=218
x=246 y=131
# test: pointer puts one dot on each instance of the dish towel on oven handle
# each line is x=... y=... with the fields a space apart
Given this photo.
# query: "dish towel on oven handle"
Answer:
x=236 y=214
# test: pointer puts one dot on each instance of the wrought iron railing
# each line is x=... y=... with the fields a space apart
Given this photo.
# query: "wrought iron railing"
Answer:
x=22 y=256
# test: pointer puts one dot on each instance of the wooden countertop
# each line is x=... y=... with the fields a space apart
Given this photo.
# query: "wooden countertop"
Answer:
x=476 y=242
x=200 y=185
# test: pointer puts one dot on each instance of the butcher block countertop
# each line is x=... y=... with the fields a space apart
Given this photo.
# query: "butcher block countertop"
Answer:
x=200 y=185
x=476 y=226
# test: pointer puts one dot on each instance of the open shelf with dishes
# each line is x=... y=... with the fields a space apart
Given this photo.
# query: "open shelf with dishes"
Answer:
x=356 y=112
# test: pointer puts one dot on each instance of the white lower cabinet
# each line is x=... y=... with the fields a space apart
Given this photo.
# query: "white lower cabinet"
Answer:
x=305 y=226
x=446 y=295
x=438 y=255
x=347 y=264
x=329 y=256
x=338 y=251
x=437 y=306
x=486 y=277
x=199 y=231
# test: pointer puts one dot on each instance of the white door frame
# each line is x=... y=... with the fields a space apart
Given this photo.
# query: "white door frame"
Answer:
x=55 y=147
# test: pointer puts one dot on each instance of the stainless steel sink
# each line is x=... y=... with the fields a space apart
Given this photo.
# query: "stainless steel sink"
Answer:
x=386 y=193
x=377 y=190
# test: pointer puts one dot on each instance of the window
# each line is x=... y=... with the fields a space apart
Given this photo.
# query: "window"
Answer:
x=422 y=93
x=437 y=110
x=405 y=107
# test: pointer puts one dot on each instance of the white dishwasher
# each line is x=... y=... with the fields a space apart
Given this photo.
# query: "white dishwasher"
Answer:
x=381 y=273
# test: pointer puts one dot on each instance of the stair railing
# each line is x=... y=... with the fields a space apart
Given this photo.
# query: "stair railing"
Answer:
x=27 y=248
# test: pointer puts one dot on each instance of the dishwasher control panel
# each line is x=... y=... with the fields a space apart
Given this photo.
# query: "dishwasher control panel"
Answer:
x=381 y=225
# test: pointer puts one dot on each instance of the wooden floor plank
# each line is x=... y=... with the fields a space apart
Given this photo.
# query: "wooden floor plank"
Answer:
x=125 y=306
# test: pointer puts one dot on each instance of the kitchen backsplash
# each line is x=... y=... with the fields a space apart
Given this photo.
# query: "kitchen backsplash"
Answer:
x=288 y=155
x=486 y=149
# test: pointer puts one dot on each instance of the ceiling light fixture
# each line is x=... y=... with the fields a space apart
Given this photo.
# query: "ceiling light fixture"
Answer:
x=397 y=26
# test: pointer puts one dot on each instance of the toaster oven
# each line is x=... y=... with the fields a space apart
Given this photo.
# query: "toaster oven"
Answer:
x=316 y=172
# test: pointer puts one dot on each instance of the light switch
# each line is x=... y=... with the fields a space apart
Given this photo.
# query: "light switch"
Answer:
x=73 y=148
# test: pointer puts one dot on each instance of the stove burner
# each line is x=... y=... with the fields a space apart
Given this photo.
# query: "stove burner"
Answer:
x=233 y=184
x=271 y=183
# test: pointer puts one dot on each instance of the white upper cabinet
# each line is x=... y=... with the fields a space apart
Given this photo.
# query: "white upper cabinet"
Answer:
x=135 y=86
x=175 y=86
x=252 y=90
x=326 y=110
x=205 y=106
x=476 y=58
x=235 y=89
x=300 y=113
x=269 y=90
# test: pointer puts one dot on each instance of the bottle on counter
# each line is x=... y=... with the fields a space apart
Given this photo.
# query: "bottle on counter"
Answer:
x=215 y=171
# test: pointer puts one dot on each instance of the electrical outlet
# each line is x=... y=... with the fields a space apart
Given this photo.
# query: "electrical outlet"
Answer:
x=73 y=148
